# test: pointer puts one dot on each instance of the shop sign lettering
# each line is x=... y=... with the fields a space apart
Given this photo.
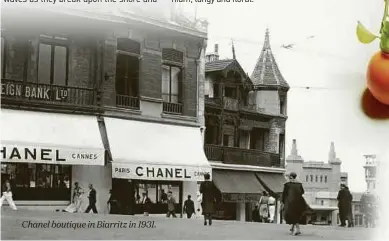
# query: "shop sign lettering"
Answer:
x=157 y=172
x=28 y=154
x=34 y=92
x=241 y=197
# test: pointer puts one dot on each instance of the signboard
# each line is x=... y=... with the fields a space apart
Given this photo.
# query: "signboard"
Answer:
x=33 y=91
x=241 y=197
x=159 y=172
x=50 y=155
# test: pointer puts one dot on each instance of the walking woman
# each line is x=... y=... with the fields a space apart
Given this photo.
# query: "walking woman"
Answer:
x=74 y=207
x=7 y=195
x=294 y=203
x=264 y=207
x=208 y=200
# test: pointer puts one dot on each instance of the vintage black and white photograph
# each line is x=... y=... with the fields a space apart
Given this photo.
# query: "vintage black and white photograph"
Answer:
x=194 y=120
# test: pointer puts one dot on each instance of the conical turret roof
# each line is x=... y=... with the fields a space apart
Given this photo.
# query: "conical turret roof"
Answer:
x=266 y=71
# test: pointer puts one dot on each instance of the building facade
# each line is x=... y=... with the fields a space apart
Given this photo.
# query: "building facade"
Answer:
x=109 y=98
x=321 y=182
x=245 y=131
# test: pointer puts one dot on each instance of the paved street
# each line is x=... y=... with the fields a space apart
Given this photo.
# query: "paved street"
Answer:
x=12 y=223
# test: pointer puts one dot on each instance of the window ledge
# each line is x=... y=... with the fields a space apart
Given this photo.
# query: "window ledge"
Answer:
x=151 y=99
x=122 y=110
x=179 y=117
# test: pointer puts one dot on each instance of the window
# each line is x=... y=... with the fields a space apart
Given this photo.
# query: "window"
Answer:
x=171 y=82
x=325 y=179
x=258 y=138
x=306 y=178
x=216 y=91
x=230 y=92
x=3 y=58
x=282 y=145
x=322 y=202
x=321 y=178
x=282 y=104
x=127 y=75
x=52 y=64
x=127 y=67
x=311 y=178
x=316 y=178
x=38 y=181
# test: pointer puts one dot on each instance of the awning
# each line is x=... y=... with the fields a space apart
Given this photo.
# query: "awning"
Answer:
x=237 y=186
x=153 y=151
x=40 y=137
x=272 y=182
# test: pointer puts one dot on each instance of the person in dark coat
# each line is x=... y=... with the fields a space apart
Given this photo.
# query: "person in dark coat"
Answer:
x=256 y=217
x=113 y=202
x=189 y=208
x=207 y=190
x=344 y=204
x=146 y=204
x=294 y=202
x=350 y=215
x=92 y=200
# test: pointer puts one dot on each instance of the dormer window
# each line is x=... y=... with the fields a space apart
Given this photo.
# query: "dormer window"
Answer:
x=230 y=92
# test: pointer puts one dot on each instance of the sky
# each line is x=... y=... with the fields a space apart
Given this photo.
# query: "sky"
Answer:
x=332 y=60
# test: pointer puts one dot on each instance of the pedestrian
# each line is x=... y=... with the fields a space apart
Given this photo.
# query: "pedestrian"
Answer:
x=7 y=195
x=272 y=209
x=255 y=214
x=293 y=203
x=171 y=205
x=113 y=203
x=189 y=208
x=163 y=196
x=207 y=189
x=350 y=222
x=343 y=204
x=92 y=200
x=146 y=204
x=74 y=207
x=264 y=207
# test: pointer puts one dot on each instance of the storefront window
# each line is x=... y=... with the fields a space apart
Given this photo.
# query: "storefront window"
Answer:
x=38 y=181
x=158 y=191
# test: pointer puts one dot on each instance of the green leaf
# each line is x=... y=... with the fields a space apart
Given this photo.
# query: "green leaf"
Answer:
x=364 y=35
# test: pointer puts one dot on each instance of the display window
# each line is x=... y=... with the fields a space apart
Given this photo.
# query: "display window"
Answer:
x=32 y=181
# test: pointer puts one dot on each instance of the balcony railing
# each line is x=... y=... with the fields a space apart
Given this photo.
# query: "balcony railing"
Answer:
x=230 y=104
x=252 y=108
x=19 y=92
x=213 y=101
x=172 y=108
x=128 y=102
x=234 y=155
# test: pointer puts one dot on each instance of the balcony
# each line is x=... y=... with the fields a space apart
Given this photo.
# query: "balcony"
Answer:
x=234 y=155
x=213 y=101
x=127 y=102
x=15 y=92
x=172 y=108
x=230 y=104
x=252 y=108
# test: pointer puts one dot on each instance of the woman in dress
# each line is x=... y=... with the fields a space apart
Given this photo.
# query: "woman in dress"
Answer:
x=74 y=207
x=294 y=203
x=207 y=190
x=264 y=207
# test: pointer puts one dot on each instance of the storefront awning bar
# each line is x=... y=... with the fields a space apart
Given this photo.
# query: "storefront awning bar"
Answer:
x=154 y=151
x=272 y=182
x=40 y=137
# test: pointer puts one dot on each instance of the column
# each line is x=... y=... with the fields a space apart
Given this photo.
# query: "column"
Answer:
x=241 y=212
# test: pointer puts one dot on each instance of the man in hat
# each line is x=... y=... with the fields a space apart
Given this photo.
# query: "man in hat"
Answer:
x=344 y=204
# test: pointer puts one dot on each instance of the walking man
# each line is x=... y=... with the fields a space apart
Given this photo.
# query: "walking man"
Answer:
x=92 y=200
x=189 y=208
x=171 y=205
x=7 y=195
x=343 y=204
x=207 y=189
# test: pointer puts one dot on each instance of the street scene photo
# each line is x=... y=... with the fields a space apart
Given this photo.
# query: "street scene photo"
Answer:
x=188 y=120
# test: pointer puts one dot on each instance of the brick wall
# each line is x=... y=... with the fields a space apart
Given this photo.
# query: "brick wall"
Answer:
x=151 y=75
x=190 y=88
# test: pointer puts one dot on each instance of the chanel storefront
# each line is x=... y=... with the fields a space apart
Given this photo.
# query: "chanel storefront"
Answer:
x=43 y=154
x=155 y=158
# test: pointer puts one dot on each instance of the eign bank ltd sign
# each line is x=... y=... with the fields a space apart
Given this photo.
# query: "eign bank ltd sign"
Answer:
x=29 y=91
x=159 y=172
x=50 y=155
